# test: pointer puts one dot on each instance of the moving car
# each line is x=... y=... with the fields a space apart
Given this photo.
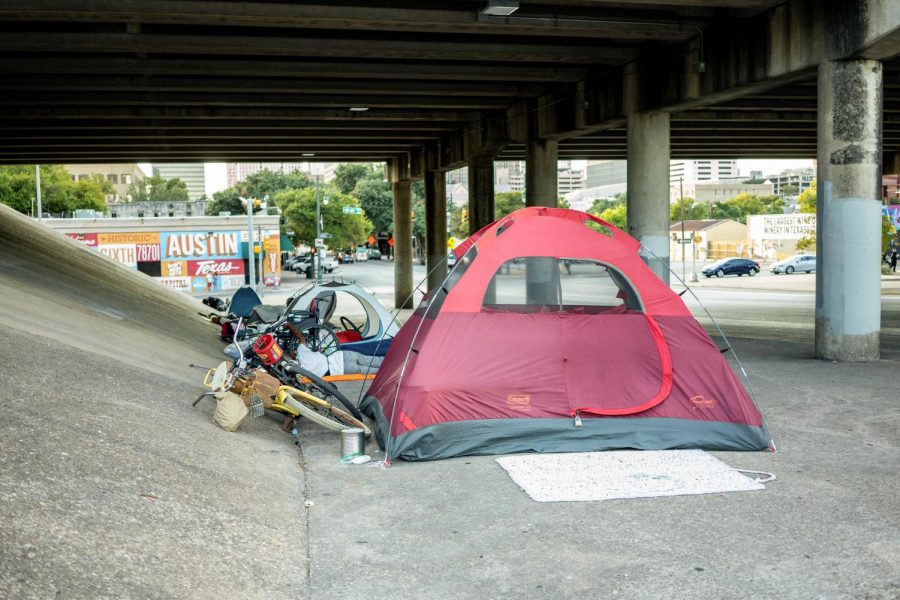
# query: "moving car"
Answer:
x=361 y=255
x=451 y=260
x=804 y=263
x=374 y=254
x=732 y=266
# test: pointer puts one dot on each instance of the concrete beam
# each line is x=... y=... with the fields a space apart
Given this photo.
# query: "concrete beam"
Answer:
x=325 y=47
x=781 y=46
x=93 y=65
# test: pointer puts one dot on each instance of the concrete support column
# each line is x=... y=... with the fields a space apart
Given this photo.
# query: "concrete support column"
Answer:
x=481 y=193
x=403 y=247
x=435 y=228
x=648 y=186
x=541 y=274
x=541 y=158
x=848 y=229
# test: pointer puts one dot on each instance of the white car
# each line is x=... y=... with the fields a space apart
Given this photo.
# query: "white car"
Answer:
x=361 y=255
x=801 y=263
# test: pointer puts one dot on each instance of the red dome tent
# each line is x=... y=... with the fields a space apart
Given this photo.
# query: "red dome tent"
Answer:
x=551 y=334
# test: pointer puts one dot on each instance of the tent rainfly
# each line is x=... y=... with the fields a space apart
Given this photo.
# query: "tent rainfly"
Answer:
x=551 y=334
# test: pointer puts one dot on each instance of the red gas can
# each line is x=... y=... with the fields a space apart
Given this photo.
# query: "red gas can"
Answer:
x=267 y=349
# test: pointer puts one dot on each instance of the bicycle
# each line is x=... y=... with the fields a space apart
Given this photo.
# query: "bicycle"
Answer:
x=267 y=353
x=285 y=399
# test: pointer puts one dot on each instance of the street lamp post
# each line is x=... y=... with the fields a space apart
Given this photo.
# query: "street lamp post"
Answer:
x=318 y=243
x=251 y=262
x=37 y=181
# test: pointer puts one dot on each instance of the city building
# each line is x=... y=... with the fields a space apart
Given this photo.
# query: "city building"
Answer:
x=719 y=191
x=690 y=171
x=235 y=172
x=801 y=179
x=192 y=174
x=707 y=239
x=121 y=176
x=512 y=173
x=198 y=255
x=602 y=173
x=128 y=210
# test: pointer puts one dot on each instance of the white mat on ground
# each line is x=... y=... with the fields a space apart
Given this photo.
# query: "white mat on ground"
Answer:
x=591 y=476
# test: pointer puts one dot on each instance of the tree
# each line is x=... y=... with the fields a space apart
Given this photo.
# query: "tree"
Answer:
x=259 y=185
x=888 y=233
x=789 y=190
x=740 y=206
x=692 y=209
x=507 y=202
x=158 y=189
x=617 y=215
x=59 y=194
x=601 y=204
x=377 y=201
x=807 y=200
x=299 y=209
x=347 y=175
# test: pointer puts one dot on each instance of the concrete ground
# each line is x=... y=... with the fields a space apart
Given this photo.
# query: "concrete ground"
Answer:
x=113 y=486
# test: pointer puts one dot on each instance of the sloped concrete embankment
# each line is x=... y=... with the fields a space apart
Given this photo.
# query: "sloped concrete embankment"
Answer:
x=111 y=484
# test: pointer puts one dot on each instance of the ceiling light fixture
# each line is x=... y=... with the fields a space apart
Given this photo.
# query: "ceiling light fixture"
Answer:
x=359 y=108
x=500 y=8
x=308 y=154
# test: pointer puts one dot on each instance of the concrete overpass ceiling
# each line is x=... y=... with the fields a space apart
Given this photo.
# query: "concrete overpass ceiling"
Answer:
x=192 y=80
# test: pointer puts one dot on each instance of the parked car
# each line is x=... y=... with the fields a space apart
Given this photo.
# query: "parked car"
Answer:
x=732 y=266
x=345 y=258
x=451 y=260
x=300 y=264
x=329 y=264
x=373 y=254
x=361 y=255
x=804 y=263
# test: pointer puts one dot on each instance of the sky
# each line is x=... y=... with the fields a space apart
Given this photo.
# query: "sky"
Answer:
x=216 y=175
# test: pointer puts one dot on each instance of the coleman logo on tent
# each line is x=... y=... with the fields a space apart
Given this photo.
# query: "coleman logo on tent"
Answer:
x=519 y=402
x=702 y=402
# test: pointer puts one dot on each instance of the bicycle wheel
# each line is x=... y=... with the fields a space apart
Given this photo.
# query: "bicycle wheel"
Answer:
x=322 y=413
x=325 y=390
x=321 y=338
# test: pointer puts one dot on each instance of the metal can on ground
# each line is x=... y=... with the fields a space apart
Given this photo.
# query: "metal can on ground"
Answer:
x=353 y=443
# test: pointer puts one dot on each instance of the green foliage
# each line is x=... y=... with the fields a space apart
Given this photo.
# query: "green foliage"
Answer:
x=459 y=222
x=377 y=200
x=888 y=233
x=507 y=202
x=807 y=242
x=616 y=215
x=789 y=190
x=299 y=210
x=259 y=185
x=158 y=189
x=740 y=206
x=59 y=194
x=347 y=175
x=807 y=200
x=692 y=210
x=601 y=204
